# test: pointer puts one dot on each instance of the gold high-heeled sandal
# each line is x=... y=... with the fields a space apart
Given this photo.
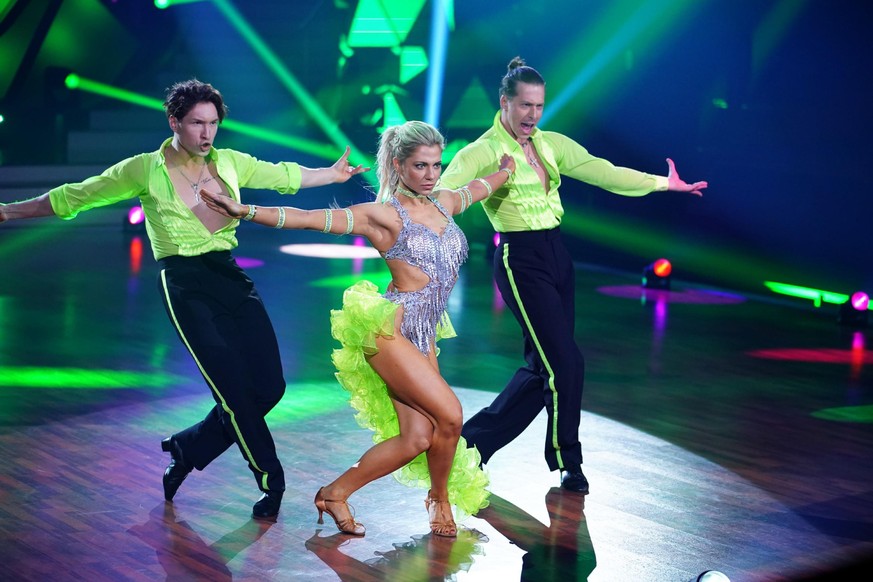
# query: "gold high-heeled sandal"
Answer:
x=446 y=529
x=347 y=525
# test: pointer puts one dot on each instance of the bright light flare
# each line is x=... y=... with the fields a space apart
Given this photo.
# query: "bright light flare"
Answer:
x=662 y=268
x=860 y=301
x=135 y=215
x=331 y=251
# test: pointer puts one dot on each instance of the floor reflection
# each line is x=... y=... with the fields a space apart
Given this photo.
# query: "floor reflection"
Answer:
x=184 y=555
x=424 y=558
x=561 y=550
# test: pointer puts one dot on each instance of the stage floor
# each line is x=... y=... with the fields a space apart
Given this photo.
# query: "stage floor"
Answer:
x=720 y=431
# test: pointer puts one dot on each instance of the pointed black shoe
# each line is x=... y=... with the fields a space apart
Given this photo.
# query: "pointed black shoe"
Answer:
x=267 y=507
x=177 y=470
x=574 y=480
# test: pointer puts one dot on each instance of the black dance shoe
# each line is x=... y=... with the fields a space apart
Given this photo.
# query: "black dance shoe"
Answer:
x=267 y=507
x=574 y=480
x=177 y=470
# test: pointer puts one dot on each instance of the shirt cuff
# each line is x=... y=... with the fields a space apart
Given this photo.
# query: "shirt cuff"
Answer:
x=661 y=184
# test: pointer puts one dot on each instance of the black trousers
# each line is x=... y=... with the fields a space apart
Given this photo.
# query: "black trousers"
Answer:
x=534 y=273
x=221 y=319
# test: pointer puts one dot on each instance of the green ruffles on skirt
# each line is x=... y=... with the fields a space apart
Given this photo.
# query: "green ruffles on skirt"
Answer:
x=365 y=315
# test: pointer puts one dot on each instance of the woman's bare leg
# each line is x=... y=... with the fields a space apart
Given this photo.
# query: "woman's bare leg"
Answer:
x=430 y=419
x=417 y=383
x=379 y=460
x=385 y=457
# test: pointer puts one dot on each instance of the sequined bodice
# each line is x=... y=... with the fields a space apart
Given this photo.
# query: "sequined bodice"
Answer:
x=440 y=257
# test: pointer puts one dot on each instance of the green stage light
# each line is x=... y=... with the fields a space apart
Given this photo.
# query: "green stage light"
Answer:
x=380 y=279
x=393 y=114
x=163 y=4
x=772 y=30
x=322 y=150
x=626 y=24
x=475 y=108
x=309 y=400
x=75 y=82
x=383 y=23
x=17 y=241
x=817 y=296
x=325 y=122
x=860 y=414
x=84 y=378
x=452 y=148
x=413 y=60
x=641 y=238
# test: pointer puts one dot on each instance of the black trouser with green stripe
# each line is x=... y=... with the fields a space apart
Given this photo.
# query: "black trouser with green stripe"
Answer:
x=221 y=319
x=534 y=273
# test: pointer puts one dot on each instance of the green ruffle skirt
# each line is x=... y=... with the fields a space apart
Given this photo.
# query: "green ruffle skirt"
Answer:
x=364 y=316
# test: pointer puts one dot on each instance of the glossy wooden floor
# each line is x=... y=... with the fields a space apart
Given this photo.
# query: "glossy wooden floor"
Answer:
x=720 y=432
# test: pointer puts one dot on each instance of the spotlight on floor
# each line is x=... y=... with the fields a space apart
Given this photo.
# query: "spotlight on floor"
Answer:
x=657 y=275
x=853 y=312
x=711 y=576
x=134 y=220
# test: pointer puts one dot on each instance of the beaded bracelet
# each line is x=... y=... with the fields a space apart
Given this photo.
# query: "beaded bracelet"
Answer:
x=350 y=221
x=466 y=198
x=252 y=211
x=281 y=222
x=485 y=183
x=328 y=220
x=508 y=172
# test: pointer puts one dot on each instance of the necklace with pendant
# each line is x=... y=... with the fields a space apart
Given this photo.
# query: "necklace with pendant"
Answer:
x=529 y=155
x=195 y=186
x=409 y=193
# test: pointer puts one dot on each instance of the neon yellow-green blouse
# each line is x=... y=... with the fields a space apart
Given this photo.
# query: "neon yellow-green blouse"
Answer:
x=521 y=204
x=172 y=227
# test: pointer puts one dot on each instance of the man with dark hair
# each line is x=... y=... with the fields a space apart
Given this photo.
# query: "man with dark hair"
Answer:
x=211 y=302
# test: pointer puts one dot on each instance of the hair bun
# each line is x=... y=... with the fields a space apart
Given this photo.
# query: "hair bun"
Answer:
x=515 y=63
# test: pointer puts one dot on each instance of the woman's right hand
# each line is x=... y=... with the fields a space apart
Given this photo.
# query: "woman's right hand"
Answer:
x=224 y=204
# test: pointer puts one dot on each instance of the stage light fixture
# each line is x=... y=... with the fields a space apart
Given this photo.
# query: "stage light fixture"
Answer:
x=853 y=312
x=657 y=274
x=711 y=576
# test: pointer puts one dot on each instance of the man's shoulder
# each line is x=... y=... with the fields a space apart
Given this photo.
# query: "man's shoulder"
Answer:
x=487 y=142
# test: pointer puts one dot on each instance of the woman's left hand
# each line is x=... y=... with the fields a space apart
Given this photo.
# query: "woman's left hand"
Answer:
x=224 y=204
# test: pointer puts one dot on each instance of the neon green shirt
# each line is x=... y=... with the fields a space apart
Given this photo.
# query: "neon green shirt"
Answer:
x=521 y=204
x=172 y=227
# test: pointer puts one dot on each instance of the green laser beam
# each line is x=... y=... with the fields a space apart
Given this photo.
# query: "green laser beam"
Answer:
x=35 y=377
x=818 y=296
x=322 y=150
x=287 y=78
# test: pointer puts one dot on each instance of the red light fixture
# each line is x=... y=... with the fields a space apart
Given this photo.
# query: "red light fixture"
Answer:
x=657 y=274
